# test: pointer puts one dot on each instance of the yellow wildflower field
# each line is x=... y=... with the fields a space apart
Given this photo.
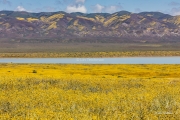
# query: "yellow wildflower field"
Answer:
x=89 y=92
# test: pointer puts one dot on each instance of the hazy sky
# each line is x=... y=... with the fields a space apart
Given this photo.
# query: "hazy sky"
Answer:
x=91 y=6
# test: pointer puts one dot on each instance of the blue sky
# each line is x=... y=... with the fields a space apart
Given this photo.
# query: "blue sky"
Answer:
x=91 y=6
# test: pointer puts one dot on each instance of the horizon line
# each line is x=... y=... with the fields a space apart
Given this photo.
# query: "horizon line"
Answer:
x=93 y=13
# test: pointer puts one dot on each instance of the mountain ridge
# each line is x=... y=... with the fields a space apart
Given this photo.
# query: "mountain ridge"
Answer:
x=64 y=27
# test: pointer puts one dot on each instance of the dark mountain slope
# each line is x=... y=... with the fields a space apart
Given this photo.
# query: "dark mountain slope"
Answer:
x=62 y=26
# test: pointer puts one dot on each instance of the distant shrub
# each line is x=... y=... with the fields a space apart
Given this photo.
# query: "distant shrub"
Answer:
x=34 y=71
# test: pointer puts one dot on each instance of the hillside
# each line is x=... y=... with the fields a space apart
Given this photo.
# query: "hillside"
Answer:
x=94 y=27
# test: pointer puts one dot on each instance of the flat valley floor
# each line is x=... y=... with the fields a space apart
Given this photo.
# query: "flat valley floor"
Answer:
x=84 y=50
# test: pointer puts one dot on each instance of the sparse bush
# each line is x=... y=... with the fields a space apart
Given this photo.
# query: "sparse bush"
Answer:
x=34 y=71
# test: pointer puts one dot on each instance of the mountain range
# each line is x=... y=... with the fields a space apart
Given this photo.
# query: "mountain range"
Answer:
x=94 y=27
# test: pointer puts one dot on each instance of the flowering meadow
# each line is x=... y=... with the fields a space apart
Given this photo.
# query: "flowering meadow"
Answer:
x=89 y=92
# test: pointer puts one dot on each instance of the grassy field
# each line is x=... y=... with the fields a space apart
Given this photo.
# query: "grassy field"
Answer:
x=57 y=50
x=89 y=92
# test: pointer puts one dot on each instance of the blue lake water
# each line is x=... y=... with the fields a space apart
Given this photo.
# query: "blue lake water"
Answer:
x=127 y=60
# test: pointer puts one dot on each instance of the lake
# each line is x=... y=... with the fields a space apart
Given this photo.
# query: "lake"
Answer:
x=127 y=60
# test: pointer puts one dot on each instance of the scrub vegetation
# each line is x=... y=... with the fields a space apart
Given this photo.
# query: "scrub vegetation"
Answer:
x=91 y=54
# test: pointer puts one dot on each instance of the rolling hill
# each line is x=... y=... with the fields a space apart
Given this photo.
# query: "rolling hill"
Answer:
x=95 y=27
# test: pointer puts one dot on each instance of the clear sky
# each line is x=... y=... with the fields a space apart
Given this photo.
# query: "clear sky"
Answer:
x=90 y=6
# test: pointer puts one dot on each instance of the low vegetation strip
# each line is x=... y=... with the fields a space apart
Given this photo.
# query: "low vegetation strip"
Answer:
x=90 y=54
x=90 y=92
